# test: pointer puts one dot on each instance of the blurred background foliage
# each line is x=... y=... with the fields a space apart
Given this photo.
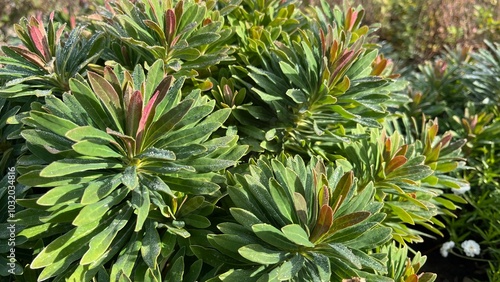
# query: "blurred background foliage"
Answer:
x=418 y=30
x=12 y=11
x=412 y=30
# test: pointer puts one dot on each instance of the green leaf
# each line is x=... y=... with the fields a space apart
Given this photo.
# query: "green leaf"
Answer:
x=363 y=66
x=401 y=213
x=273 y=236
x=52 y=123
x=197 y=221
x=297 y=95
x=68 y=244
x=88 y=132
x=151 y=245
x=345 y=254
x=258 y=254
x=95 y=211
x=203 y=39
x=342 y=190
x=192 y=275
x=93 y=149
x=69 y=166
x=297 y=234
x=127 y=258
x=300 y=205
x=101 y=242
x=61 y=194
x=244 y=217
x=167 y=121
x=290 y=268
x=51 y=142
x=192 y=186
x=86 y=97
x=176 y=272
x=157 y=154
x=156 y=75
x=100 y=188
x=155 y=183
x=130 y=178
x=33 y=179
x=282 y=198
x=140 y=201
x=322 y=264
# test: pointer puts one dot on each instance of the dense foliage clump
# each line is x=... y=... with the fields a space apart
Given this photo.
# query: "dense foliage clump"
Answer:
x=221 y=140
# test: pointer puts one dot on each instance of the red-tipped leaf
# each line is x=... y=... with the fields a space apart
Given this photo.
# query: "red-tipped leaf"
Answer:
x=323 y=224
x=134 y=113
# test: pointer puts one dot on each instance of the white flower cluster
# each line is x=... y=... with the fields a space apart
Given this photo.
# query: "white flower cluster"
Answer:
x=446 y=247
x=471 y=248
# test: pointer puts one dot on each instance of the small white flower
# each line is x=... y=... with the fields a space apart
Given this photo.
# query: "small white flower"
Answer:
x=464 y=187
x=446 y=247
x=471 y=248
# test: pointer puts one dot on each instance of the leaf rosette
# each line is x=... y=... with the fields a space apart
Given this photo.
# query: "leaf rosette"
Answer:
x=189 y=36
x=118 y=164
x=298 y=222
x=312 y=89
x=46 y=60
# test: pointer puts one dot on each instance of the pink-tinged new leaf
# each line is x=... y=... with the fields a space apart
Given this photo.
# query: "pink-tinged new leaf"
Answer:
x=128 y=91
x=162 y=89
x=334 y=48
x=59 y=33
x=402 y=150
x=300 y=207
x=341 y=64
x=323 y=42
x=39 y=38
x=395 y=163
x=30 y=56
x=134 y=113
x=387 y=149
x=179 y=9
x=156 y=14
x=350 y=20
x=147 y=116
x=379 y=67
x=342 y=190
x=170 y=25
x=207 y=21
x=108 y=96
x=323 y=224
x=446 y=140
x=348 y=220
x=324 y=196
x=111 y=77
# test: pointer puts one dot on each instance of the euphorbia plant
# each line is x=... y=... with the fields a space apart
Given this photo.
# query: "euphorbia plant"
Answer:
x=126 y=159
x=298 y=222
x=314 y=87
x=188 y=36
x=132 y=173
x=47 y=60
